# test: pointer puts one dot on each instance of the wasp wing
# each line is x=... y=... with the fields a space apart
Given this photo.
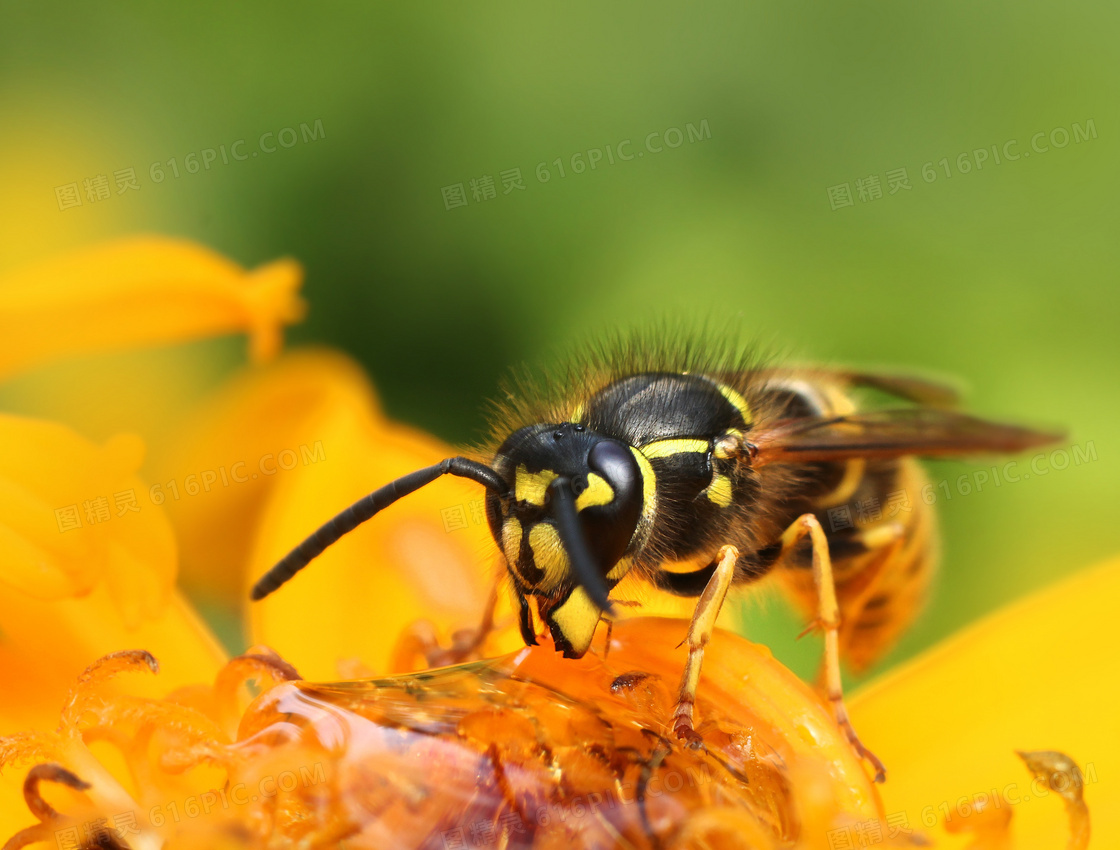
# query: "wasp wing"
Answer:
x=920 y=390
x=892 y=433
x=908 y=387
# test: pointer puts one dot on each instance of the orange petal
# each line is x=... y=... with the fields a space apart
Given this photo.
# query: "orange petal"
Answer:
x=140 y=291
x=533 y=747
x=1038 y=675
x=564 y=749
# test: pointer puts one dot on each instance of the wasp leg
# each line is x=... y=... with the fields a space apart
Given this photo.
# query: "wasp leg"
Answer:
x=467 y=642
x=828 y=619
x=420 y=638
x=699 y=633
x=623 y=603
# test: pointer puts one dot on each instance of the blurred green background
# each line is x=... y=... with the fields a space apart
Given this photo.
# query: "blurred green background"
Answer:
x=1004 y=274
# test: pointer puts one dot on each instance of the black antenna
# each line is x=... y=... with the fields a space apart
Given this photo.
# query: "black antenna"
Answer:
x=571 y=535
x=367 y=507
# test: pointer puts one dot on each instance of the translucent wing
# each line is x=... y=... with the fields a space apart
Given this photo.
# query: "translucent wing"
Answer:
x=908 y=387
x=892 y=433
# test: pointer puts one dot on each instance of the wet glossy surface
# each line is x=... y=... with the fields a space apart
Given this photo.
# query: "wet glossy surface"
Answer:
x=533 y=750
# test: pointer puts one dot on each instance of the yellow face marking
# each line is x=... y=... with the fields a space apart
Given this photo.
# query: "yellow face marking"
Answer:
x=511 y=539
x=531 y=486
x=649 y=490
x=719 y=491
x=549 y=555
x=668 y=448
x=577 y=414
x=598 y=492
x=577 y=620
x=737 y=401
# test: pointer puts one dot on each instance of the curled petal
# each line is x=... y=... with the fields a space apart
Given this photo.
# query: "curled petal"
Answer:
x=552 y=752
x=1060 y=773
x=49 y=773
x=100 y=672
x=115 y=663
x=27 y=746
x=51 y=820
x=262 y=666
x=37 y=834
x=530 y=748
x=258 y=664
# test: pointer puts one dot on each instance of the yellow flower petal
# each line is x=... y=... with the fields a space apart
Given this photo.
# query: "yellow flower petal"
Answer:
x=1038 y=675
x=140 y=291
x=59 y=497
x=406 y=564
x=1033 y=680
x=233 y=445
x=307 y=433
x=128 y=754
x=82 y=574
x=47 y=644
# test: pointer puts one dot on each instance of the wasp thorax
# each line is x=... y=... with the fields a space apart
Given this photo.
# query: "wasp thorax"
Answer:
x=603 y=476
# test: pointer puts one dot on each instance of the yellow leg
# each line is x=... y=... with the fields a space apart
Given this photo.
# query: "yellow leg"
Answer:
x=699 y=633
x=828 y=619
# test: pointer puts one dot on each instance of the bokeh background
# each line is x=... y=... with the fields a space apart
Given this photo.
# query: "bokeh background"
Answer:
x=774 y=210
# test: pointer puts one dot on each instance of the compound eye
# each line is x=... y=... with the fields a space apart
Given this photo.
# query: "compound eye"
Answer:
x=616 y=464
x=609 y=527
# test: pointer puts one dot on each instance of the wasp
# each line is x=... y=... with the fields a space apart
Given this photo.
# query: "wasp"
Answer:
x=699 y=473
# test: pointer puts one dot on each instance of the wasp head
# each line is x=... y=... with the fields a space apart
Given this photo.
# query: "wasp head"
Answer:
x=572 y=512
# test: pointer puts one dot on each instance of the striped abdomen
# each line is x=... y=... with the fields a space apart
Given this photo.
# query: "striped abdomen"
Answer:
x=883 y=563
